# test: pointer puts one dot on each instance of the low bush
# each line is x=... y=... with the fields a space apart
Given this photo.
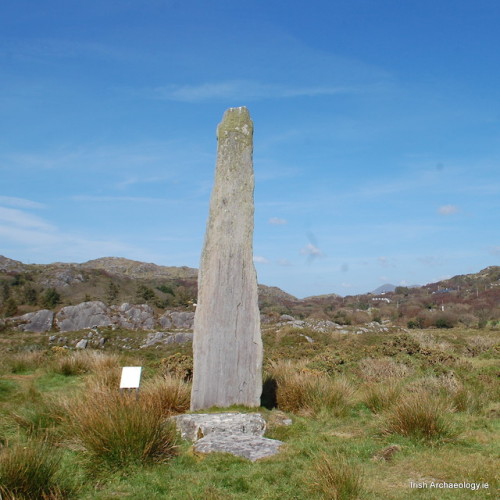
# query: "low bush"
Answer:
x=378 y=369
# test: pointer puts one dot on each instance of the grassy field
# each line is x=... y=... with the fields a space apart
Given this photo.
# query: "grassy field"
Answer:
x=373 y=414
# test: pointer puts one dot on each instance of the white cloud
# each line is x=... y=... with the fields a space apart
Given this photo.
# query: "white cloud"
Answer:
x=277 y=221
x=18 y=218
x=431 y=261
x=311 y=250
x=242 y=90
x=20 y=202
x=260 y=260
x=448 y=209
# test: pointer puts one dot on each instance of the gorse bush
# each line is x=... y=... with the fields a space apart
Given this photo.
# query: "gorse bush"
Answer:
x=336 y=478
x=28 y=471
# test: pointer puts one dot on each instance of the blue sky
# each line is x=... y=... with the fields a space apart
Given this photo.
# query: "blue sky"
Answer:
x=376 y=145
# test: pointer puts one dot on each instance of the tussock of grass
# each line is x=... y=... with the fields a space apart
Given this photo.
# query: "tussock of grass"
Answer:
x=308 y=392
x=28 y=471
x=335 y=478
x=420 y=415
x=25 y=361
x=379 y=397
x=80 y=362
x=117 y=430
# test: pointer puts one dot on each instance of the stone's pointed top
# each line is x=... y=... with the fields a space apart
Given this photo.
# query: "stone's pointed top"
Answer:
x=235 y=120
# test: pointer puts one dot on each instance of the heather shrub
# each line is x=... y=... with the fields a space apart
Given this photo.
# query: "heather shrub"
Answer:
x=378 y=369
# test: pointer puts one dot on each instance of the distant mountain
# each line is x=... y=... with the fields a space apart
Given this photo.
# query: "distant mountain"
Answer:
x=384 y=289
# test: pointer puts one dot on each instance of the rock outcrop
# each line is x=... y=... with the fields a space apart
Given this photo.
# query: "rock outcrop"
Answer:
x=84 y=315
x=36 y=322
x=134 y=317
x=177 y=319
x=227 y=343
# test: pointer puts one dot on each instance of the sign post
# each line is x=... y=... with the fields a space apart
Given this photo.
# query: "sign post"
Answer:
x=131 y=379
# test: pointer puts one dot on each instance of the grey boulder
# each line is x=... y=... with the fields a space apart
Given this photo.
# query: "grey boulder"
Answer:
x=36 y=322
x=84 y=315
x=196 y=425
x=240 y=434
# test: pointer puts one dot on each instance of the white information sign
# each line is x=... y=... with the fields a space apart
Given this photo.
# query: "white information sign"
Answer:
x=131 y=377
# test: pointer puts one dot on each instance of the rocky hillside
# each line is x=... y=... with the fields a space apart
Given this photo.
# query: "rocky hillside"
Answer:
x=472 y=299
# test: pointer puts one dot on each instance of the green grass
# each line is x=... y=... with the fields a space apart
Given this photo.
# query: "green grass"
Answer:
x=350 y=398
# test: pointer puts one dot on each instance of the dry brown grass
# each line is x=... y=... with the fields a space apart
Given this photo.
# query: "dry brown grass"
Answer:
x=335 y=478
x=80 y=362
x=28 y=471
x=24 y=361
x=117 y=429
x=380 y=396
x=420 y=415
x=307 y=392
x=378 y=369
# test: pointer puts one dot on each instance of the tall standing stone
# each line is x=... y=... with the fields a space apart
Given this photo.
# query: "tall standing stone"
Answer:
x=227 y=341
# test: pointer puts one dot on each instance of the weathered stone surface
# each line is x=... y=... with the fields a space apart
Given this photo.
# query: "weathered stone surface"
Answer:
x=167 y=338
x=241 y=445
x=182 y=319
x=177 y=319
x=135 y=317
x=197 y=425
x=227 y=343
x=165 y=320
x=240 y=434
x=37 y=322
x=84 y=315
x=82 y=344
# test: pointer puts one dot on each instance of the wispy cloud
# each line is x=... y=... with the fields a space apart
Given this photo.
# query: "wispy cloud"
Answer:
x=284 y=263
x=311 y=251
x=431 y=261
x=19 y=218
x=126 y=199
x=260 y=260
x=448 y=209
x=277 y=221
x=20 y=202
x=242 y=89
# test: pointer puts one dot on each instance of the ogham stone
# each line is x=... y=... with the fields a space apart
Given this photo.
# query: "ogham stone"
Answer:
x=227 y=344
